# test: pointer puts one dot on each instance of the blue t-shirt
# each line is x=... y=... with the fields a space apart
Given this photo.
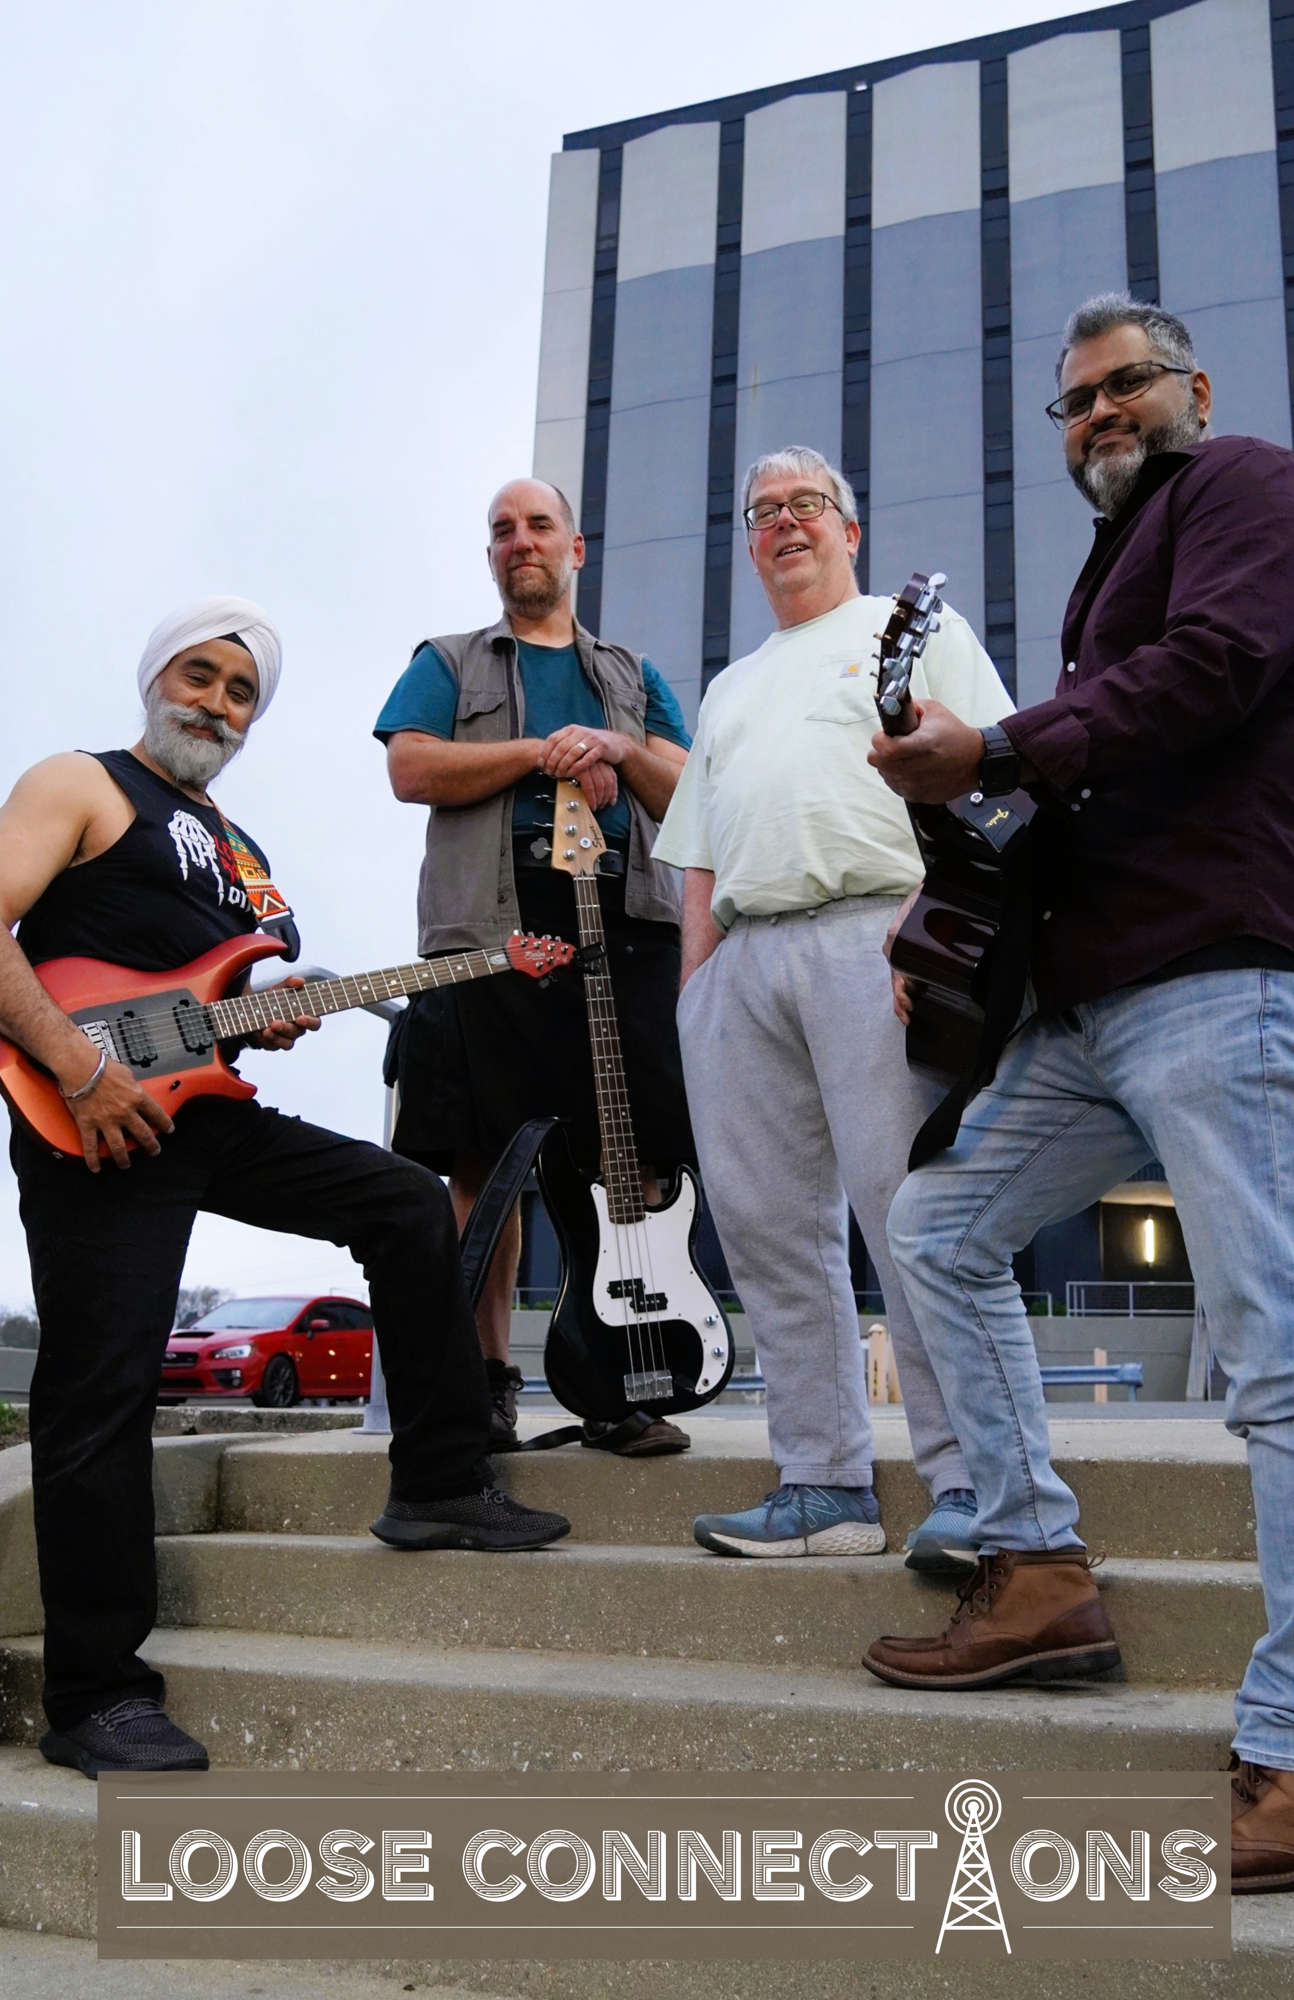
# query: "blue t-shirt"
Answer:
x=556 y=692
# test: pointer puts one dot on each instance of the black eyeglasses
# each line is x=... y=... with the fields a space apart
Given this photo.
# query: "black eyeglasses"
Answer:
x=800 y=507
x=1124 y=386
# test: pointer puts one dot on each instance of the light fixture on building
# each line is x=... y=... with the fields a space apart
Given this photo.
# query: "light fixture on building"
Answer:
x=1148 y=1240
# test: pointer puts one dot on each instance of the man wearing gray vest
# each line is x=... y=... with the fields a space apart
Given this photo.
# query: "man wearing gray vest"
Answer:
x=478 y=728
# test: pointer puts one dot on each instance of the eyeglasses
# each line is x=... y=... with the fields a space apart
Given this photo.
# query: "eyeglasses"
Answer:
x=800 y=507
x=1124 y=386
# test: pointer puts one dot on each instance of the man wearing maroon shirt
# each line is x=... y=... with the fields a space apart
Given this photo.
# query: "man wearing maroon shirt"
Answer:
x=1163 y=964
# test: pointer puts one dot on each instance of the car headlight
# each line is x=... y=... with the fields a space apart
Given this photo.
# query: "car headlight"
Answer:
x=239 y=1353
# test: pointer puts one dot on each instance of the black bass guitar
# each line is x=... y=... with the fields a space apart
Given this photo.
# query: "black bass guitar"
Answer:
x=636 y=1326
x=964 y=945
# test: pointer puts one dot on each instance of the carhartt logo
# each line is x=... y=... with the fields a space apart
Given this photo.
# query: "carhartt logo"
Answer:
x=973 y=1809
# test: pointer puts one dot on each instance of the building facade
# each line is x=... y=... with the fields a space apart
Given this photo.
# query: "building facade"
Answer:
x=879 y=263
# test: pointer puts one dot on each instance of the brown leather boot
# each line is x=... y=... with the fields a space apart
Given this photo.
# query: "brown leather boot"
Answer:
x=1032 y=1617
x=1262 y=1829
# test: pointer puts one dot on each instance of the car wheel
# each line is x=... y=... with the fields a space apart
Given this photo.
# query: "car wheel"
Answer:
x=279 y=1388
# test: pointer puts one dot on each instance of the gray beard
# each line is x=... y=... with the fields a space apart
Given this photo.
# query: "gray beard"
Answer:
x=1109 y=482
x=537 y=595
x=190 y=760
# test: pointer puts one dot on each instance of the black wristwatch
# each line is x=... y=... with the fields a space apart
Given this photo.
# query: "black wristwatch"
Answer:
x=999 y=769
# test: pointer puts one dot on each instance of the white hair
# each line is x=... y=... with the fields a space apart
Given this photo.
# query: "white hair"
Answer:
x=804 y=460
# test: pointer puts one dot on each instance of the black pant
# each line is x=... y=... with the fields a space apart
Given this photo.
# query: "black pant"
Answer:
x=107 y=1253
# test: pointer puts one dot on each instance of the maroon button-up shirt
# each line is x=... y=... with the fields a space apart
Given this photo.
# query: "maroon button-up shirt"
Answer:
x=1166 y=757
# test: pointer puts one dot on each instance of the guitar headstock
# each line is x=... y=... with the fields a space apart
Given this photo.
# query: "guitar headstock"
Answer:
x=538 y=956
x=914 y=617
x=577 y=838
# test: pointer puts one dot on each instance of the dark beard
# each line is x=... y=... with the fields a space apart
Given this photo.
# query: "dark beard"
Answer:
x=1108 y=485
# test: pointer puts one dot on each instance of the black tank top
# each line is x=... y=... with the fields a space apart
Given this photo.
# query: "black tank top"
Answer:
x=164 y=893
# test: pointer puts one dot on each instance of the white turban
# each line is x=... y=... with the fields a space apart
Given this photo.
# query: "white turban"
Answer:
x=216 y=618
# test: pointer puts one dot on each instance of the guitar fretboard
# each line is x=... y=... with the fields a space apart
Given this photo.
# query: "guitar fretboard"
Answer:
x=619 y=1151
x=248 y=1013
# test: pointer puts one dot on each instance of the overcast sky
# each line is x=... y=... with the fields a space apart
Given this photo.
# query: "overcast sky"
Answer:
x=274 y=271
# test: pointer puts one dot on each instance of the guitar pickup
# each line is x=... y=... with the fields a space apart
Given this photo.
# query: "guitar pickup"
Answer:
x=644 y=1385
x=136 y=1039
x=195 y=1027
x=637 y=1294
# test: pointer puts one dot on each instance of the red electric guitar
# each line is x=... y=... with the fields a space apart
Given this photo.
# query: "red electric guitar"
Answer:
x=167 y=1027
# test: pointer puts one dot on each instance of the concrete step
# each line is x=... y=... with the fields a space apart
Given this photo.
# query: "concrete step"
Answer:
x=1152 y=1489
x=301 y=1702
x=1180 y=1624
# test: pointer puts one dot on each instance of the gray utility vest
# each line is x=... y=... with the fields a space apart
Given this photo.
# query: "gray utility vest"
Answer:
x=467 y=893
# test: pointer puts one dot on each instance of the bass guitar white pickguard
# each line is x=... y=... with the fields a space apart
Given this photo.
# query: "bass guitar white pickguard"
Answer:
x=645 y=1275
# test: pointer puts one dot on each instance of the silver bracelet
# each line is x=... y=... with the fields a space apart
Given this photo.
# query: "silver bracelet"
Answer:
x=71 y=1096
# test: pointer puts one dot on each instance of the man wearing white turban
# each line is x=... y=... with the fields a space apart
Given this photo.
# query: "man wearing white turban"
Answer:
x=122 y=857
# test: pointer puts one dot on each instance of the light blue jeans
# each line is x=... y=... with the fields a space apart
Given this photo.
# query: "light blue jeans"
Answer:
x=1197 y=1072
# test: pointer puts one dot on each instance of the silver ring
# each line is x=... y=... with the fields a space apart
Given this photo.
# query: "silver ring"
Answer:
x=581 y=746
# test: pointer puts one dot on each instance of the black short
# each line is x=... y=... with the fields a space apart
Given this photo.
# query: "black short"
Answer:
x=475 y=1061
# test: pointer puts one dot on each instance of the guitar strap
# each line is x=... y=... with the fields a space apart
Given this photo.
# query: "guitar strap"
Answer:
x=272 y=911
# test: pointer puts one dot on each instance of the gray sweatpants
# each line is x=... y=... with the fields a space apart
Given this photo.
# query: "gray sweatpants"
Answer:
x=803 y=1105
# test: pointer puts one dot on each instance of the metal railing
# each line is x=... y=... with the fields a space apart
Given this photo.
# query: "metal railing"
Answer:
x=1087 y=1298
x=377 y=1418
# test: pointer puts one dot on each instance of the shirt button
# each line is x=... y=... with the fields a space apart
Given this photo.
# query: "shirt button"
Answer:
x=1046 y=916
x=810 y=913
x=1070 y=667
x=1086 y=792
x=1076 y=809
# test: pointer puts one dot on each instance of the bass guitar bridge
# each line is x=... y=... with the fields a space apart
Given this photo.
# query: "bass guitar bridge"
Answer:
x=644 y=1385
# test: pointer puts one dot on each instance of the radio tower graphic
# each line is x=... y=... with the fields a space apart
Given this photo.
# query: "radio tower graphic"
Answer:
x=973 y=1809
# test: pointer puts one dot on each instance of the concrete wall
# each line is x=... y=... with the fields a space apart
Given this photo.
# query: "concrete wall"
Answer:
x=789 y=345
x=653 y=568
x=927 y=472
x=16 y=1366
x=1064 y=100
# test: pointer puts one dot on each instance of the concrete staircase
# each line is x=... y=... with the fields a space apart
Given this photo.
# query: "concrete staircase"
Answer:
x=291 y=1639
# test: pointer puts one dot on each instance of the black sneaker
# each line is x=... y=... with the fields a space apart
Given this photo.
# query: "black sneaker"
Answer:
x=133 y=1735
x=488 y=1520
x=505 y=1386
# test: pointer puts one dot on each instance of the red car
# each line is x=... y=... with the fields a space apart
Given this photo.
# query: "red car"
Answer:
x=276 y=1351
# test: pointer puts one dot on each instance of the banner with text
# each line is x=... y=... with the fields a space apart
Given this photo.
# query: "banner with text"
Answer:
x=907 y=1865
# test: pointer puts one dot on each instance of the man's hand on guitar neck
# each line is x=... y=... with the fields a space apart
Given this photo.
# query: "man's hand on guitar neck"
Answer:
x=938 y=761
x=282 y=1034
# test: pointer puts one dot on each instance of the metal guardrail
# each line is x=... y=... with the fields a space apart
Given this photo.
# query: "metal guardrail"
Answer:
x=1087 y=1298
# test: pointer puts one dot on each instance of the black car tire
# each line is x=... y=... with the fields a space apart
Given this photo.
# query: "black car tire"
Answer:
x=279 y=1388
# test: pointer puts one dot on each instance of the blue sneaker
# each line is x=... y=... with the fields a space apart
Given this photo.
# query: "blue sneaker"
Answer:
x=944 y=1544
x=798 y=1521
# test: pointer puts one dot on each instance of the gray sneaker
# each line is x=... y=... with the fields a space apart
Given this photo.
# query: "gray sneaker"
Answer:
x=944 y=1544
x=487 y=1520
x=132 y=1735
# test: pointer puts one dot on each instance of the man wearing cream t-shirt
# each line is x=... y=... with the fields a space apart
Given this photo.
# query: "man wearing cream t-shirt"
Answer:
x=797 y=859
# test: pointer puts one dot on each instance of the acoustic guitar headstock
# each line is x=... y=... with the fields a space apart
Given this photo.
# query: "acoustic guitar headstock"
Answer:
x=914 y=617
x=578 y=844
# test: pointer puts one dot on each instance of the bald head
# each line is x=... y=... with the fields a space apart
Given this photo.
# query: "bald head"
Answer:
x=532 y=494
x=534 y=547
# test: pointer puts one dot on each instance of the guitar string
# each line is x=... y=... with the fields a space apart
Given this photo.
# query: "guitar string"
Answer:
x=651 y=1329
x=589 y=916
x=250 y=1012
